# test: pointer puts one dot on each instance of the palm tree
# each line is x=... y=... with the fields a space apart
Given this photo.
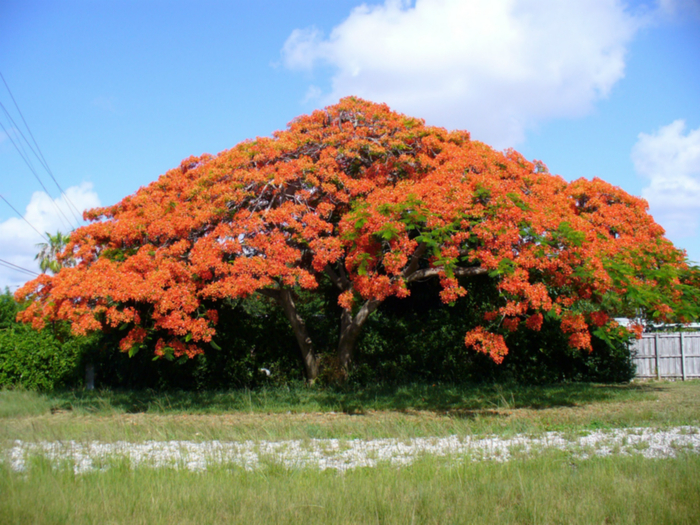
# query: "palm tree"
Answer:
x=48 y=256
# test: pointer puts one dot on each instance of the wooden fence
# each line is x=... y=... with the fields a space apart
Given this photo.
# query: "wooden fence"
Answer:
x=667 y=355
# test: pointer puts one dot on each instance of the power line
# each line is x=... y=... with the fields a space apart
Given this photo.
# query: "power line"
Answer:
x=23 y=218
x=40 y=155
x=11 y=266
x=7 y=113
x=36 y=175
x=16 y=128
x=20 y=149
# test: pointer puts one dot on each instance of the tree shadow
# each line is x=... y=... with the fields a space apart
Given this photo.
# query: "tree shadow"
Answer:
x=463 y=400
x=482 y=399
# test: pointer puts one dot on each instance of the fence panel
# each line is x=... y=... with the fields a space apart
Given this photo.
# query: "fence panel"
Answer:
x=691 y=346
x=667 y=354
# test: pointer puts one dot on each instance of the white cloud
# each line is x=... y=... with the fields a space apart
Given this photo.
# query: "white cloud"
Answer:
x=495 y=68
x=18 y=240
x=670 y=159
x=313 y=93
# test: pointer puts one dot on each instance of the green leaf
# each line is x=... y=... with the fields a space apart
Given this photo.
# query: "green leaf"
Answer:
x=602 y=334
x=515 y=199
x=214 y=345
x=168 y=353
x=359 y=223
x=506 y=266
x=566 y=232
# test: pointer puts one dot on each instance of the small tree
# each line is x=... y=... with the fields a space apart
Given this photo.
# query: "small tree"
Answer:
x=48 y=255
x=369 y=201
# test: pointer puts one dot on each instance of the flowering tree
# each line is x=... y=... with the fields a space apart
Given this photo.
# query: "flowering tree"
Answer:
x=371 y=201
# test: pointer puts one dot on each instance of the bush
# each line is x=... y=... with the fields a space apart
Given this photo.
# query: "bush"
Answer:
x=38 y=360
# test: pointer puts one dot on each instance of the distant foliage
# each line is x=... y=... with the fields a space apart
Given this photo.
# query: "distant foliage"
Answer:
x=8 y=310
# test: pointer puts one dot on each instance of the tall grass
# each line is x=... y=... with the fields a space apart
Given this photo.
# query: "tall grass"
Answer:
x=551 y=488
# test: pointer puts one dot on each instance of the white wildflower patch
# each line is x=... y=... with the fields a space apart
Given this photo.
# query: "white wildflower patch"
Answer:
x=342 y=455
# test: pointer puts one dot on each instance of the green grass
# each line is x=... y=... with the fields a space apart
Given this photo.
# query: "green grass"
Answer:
x=551 y=488
x=300 y=412
x=23 y=403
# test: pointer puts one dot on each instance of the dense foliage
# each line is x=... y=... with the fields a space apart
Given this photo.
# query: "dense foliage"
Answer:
x=413 y=340
x=418 y=339
x=359 y=204
x=40 y=360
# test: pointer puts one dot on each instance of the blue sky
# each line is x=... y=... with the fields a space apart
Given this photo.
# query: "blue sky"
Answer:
x=118 y=92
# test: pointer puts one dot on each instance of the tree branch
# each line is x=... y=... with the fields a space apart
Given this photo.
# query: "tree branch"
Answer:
x=367 y=308
x=432 y=272
x=340 y=281
x=271 y=292
x=415 y=260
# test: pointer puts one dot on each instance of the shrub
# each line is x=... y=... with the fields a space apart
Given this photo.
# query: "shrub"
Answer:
x=38 y=360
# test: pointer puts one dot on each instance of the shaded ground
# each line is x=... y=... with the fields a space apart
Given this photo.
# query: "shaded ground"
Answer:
x=303 y=413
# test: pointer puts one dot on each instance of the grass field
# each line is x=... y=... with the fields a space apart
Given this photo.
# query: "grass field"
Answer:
x=551 y=487
x=302 y=413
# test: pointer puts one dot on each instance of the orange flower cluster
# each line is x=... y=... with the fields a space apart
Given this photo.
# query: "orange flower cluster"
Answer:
x=376 y=200
x=488 y=343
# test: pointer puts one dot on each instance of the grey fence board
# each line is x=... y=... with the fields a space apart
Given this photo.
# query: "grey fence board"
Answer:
x=667 y=354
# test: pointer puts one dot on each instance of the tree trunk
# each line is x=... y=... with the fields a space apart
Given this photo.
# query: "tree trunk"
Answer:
x=90 y=376
x=309 y=357
x=350 y=328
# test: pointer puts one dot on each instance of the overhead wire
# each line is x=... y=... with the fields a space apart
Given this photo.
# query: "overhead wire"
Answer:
x=20 y=149
x=63 y=217
x=23 y=218
x=39 y=155
x=24 y=153
x=12 y=266
x=41 y=158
